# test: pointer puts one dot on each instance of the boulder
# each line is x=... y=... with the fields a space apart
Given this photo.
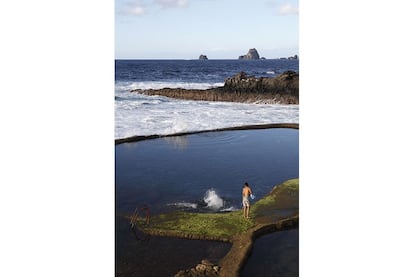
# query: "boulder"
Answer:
x=204 y=269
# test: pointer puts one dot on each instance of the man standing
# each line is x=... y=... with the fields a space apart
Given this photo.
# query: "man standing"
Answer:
x=246 y=192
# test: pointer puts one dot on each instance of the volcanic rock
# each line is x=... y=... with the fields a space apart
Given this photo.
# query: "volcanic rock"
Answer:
x=285 y=83
x=282 y=89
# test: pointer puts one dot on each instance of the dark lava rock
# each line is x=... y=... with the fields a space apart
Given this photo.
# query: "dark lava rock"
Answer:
x=285 y=83
x=282 y=89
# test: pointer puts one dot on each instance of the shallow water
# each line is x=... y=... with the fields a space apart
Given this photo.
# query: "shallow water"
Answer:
x=180 y=173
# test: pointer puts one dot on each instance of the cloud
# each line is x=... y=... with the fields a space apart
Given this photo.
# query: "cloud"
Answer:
x=135 y=8
x=287 y=9
x=141 y=7
x=171 y=3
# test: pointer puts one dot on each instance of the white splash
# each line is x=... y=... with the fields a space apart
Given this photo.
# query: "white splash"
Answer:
x=212 y=199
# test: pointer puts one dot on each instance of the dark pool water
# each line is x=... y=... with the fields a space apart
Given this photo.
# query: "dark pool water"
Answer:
x=181 y=169
x=275 y=254
x=176 y=173
x=140 y=255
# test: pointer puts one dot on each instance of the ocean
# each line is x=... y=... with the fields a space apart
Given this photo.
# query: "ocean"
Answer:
x=137 y=114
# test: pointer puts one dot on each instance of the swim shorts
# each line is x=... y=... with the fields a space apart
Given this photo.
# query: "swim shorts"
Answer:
x=245 y=201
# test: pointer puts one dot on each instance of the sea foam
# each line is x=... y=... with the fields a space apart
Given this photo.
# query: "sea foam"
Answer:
x=128 y=86
x=141 y=115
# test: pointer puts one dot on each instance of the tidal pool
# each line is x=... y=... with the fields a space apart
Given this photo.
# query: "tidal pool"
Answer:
x=200 y=172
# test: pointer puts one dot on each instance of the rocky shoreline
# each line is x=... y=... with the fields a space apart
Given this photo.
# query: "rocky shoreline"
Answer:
x=282 y=89
x=230 y=227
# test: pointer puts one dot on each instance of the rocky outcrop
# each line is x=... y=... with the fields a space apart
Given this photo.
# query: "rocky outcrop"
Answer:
x=202 y=57
x=251 y=55
x=286 y=83
x=282 y=89
x=205 y=268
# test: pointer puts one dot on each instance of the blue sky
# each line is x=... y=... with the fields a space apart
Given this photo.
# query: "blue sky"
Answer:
x=220 y=29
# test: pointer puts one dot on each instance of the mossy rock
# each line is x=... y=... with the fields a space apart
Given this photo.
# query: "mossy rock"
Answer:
x=282 y=201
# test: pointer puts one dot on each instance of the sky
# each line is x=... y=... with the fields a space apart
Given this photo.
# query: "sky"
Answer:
x=220 y=29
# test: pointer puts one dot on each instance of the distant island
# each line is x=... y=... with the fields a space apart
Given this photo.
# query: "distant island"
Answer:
x=295 y=57
x=252 y=54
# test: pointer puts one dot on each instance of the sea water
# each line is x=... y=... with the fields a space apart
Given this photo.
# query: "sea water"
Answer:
x=138 y=114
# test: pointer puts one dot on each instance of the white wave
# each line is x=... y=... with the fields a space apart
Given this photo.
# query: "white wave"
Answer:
x=270 y=72
x=128 y=86
x=185 y=205
x=137 y=114
x=230 y=209
x=212 y=199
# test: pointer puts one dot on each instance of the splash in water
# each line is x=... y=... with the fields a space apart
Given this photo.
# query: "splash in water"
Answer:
x=212 y=199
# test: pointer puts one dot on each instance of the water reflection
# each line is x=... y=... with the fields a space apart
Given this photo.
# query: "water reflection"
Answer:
x=179 y=142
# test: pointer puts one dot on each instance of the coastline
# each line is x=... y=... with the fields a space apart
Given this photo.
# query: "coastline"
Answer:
x=243 y=127
x=218 y=94
x=282 y=89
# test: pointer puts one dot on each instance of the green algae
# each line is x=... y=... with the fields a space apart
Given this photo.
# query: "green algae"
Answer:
x=217 y=225
x=283 y=196
x=227 y=225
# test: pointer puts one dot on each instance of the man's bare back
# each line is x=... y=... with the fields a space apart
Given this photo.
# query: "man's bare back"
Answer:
x=246 y=191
